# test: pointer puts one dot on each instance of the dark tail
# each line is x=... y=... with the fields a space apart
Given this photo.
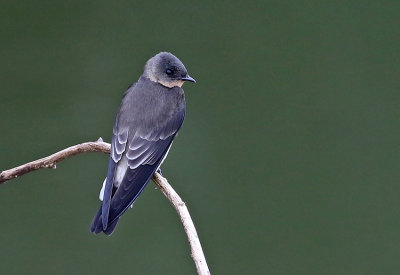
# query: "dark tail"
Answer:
x=111 y=227
x=97 y=224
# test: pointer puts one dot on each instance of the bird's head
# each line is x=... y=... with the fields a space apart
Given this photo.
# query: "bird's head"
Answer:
x=166 y=69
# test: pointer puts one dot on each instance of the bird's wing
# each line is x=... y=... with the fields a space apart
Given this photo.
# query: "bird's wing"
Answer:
x=142 y=152
x=142 y=163
x=118 y=146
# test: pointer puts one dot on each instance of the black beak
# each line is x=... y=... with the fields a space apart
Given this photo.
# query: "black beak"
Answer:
x=188 y=78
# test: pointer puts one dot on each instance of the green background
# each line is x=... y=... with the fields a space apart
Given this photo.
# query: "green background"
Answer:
x=288 y=158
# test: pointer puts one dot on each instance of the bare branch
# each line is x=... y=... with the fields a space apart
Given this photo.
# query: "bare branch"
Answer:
x=180 y=207
x=52 y=160
x=162 y=183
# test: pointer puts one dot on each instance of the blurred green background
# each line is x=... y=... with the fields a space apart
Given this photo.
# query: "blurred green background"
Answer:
x=288 y=158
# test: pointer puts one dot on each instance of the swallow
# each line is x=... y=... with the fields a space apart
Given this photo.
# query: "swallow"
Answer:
x=151 y=113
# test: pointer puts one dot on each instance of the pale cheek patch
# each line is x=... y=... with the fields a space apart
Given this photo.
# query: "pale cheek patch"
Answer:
x=171 y=84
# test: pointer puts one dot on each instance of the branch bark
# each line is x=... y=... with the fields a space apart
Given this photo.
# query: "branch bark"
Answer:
x=162 y=183
x=180 y=207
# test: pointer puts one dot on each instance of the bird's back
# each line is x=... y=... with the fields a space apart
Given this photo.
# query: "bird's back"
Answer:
x=149 y=107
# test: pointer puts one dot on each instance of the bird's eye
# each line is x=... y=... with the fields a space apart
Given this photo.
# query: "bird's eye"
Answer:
x=169 y=71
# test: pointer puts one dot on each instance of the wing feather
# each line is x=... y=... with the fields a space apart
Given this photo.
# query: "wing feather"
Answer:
x=137 y=176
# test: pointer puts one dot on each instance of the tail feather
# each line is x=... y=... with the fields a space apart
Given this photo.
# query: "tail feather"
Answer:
x=111 y=227
x=97 y=224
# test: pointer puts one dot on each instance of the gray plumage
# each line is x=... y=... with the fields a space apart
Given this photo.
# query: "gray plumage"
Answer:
x=151 y=113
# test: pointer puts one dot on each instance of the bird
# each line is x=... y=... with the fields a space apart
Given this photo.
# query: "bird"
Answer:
x=151 y=113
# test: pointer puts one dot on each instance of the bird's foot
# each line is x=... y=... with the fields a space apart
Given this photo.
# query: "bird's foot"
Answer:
x=159 y=171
